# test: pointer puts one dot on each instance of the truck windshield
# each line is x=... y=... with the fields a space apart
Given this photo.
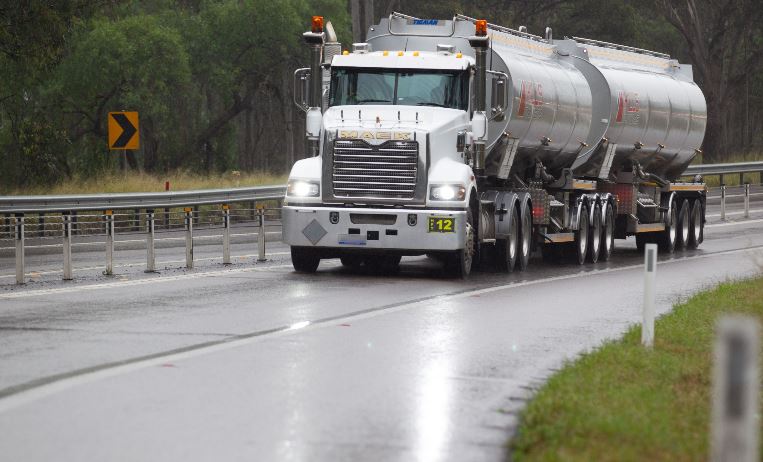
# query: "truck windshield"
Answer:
x=402 y=87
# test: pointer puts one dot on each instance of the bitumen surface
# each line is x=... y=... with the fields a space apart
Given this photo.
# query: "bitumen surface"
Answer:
x=253 y=361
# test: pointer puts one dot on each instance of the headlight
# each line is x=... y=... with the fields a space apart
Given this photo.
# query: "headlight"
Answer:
x=302 y=188
x=447 y=192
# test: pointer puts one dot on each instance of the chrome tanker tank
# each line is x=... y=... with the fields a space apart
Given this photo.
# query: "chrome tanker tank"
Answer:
x=589 y=106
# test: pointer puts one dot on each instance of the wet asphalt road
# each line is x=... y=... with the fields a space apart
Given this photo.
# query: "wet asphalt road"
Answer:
x=256 y=362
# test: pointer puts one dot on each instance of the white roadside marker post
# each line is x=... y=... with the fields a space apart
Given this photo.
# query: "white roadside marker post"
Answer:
x=150 y=235
x=226 y=234
x=19 y=237
x=650 y=271
x=261 y=236
x=67 y=245
x=735 y=426
x=723 y=202
x=188 y=237
x=109 y=215
x=747 y=200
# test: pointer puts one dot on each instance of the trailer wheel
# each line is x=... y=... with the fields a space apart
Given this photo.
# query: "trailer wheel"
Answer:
x=684 y=225
x=594 y=235
x=460 y=263
x=304 y=260
x=667 y=239
x=608 y=234
x=525 y=236
x=581 y=236
x=507 y=249
x=696 y=225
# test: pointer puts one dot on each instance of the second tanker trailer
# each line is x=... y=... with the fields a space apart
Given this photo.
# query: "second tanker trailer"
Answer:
x=468 y=141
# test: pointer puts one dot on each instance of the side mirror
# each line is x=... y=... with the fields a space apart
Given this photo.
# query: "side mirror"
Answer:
x=498 y=98
x=302 y=88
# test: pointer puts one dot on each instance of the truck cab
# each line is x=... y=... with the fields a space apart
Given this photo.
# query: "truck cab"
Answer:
x=391 y=177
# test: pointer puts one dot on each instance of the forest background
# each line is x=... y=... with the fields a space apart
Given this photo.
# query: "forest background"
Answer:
x=212 y=79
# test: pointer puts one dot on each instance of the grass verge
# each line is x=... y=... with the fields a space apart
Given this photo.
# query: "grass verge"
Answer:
x=623 y=402
x=144 y=182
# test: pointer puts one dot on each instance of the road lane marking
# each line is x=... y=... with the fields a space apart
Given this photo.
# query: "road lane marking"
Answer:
x=138 y=282
x=734 y=223
x=130 y=265
x=29 y=392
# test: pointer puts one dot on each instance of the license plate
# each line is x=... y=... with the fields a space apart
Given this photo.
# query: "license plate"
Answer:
x=442 y=225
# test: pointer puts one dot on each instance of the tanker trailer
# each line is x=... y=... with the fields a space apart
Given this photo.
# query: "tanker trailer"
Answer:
x=471 y=142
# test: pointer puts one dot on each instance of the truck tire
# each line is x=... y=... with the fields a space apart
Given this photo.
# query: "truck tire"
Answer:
x=460 y=263
x=667 y=239
x=384 y=264
x=525 y=236
x=508 y=249
x=608 y=234
x=351 y=261
x=684 y=225
x=304 y=260
x=696 y=225
x=580 y=246
x=642 y=240
x=594 y=235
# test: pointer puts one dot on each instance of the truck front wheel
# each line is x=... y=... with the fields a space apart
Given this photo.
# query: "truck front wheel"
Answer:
x=304 y=260
x=460 y=264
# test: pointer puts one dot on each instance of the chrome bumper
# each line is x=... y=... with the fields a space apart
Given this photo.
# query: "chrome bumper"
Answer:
x=391 y=229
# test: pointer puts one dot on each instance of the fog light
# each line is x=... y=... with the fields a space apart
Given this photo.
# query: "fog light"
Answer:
x=412 y=219
x=334 y=217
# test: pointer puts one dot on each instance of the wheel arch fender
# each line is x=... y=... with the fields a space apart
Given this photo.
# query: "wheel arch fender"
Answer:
x=504 y=202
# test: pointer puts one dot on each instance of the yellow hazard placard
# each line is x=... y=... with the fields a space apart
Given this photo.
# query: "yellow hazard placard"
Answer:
x=124 y=132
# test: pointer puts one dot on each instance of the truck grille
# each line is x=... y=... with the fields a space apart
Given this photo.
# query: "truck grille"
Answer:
x=386 y=170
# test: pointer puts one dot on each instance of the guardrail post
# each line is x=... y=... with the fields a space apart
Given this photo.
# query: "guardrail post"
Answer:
x=188 y=237
x=735 y=424
x=136 y=220
x=75 y=226
x=8 y=225
x=150 y=255
x=226 y=234
x=261 y=234
x=747 y=200
x=195 y=214
x=67 y=245
x=19 y=235
x=721 y=178
x=650 y=272
x=723 y=202
x=109 y=216
x=41 y=224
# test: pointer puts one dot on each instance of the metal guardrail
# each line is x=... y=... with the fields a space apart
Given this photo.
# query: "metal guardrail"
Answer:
x=724 y=169
x=88 y=202
x=102 y=207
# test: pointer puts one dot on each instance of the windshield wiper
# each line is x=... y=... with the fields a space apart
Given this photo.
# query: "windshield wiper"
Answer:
x=374 y=101
x=430 y=104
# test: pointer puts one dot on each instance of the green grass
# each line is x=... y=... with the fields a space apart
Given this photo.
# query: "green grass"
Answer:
x=623 y=402
x=143 y=182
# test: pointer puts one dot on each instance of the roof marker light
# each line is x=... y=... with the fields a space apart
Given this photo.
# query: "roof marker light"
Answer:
x=480 y=28
x=458 y=55
x=400 y=53
x=317 y=24
x=415 y=53
x=386 y=53
x=345 y=53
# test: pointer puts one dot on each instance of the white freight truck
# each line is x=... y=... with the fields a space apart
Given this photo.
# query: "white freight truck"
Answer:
x=467 y=141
